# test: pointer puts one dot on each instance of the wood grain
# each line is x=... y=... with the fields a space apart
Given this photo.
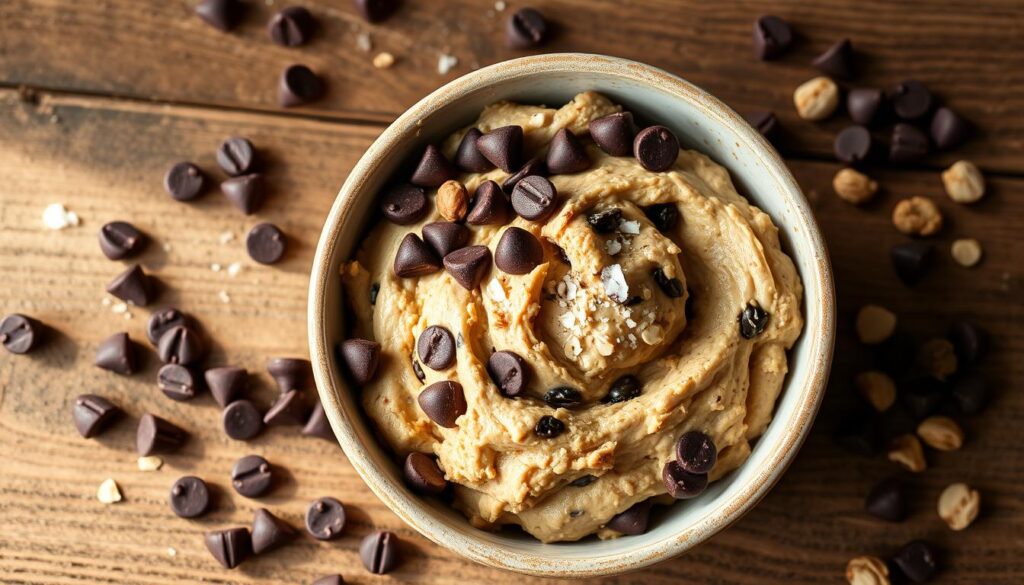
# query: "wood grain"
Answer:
x=105 y=159
x=970 y=52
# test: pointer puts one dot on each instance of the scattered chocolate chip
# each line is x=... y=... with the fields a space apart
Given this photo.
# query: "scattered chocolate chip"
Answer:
x=518 y=251
x=379 y=552
x=503 y=147
x=633 y=520
x=837 y=60
x=606 y=221
x=298 y=86
x=534 y=198
x=696 y=452
x=236 y=156
x=265 y=243
x=156 y=435
x=120 y=239
x=526 y=29
x=656 y=148
x=910 y=99
x=92 y=414
x=443 y=402
x=423 y=475
x=404 y=204
x=949 y=129
x=242 y=420
x=764 y=122
x=418 y=370
x=566 y=154
x=583 y=481
x=614 y=133
x=269 y=531
x=908 y=144
x=863 y=104
x=246 y=192
x=180 y=345
x=753 y=321
x=220 y=14
x=132 y=286
x=563 y=397
x=189 y=497
x=231 y=547
x=535 y=166
x=163 y=320
x=682 y=484
x=509 y=373
x=853 y=144
x=664 y=216
x=289 y=373
x=969 y=339
x=672 y=287
x=624 y=388
x=921 y=396
x=887 y=501
x=291 y=27
x=490 y=205
x=330 y=580
x=325 y=518
x=911 y=261
x=176 y=382
x=970 y=392
x=117 y=354
x=415 y=258
x=19 y=333
x=560 y=253
x=433 y=169
x=917 y=560
x=468 y=265
x=361 y=357
x=548 y=427
x=468 y=157
x=436 y=348
x=317 y=424
x=445 y=236
x=225 y=383
x=772 y=37
x=252 y=476
x=375 y=10
x=288 y=409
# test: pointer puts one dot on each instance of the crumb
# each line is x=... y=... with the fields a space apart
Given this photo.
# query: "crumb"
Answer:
x=150 y=463
x=171 y=551
x=226 y=237
x=500 y=6
x=167 y=247
x=446 y=63
x=108 y=492
x=234 y=268
x=224 y=296
x=364 y=42
x=119 y=307
x=57 y=217
x=383 y=60
x=215 y=267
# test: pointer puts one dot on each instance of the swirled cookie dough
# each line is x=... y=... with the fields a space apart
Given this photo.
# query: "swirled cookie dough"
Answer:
x=697 y=371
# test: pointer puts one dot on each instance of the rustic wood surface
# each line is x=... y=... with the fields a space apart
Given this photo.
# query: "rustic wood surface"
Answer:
x=72 y=140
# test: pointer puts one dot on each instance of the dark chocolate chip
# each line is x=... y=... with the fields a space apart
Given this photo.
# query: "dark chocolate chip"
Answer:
x=911 y=261
x=117 y=354
x=753 y=321
x=436 y=347
x=921 y=396
x=404 y=204
x=949 y=129
x=468 y=265
x=910 y=99
x=606 y=221
x=445 y=236
x=288 y=409
x=468 y=157
x=490 y=205
x=656 y=148
x=772 y=37
x=269 y=531
x=614 y=133
x=664 y=216
x=120 y=239
x=509 y=372
x=132 y=286
x=415 y=258
x=672 y=287
x=566 y=154
x=180 y=345
x=379 y=552
x=156 y=435
x=696 y=452
x=252 y=476
x=423 y=475
x=548 y=427
x=189 y=497
x=970 y=393
x=764 y=122
x=908 y=144
x=298 y=86
x=225 y=383
x=682 y=484
x=418 y=370
x=863 y=104
x=633 y=520
x=853 y=144
x=291 y=27
x=92 y=414
x=325 y=518
x=176 y=382
x=583 y=481
x=969 y=339
x=317 y=424
x=266 y=243
x=361 y=357
x=918 y=560
x=534 y=198
x=163 y=320
x=375 y=10
x=534 y=166
x=837 y=60
x=526 y=29
x=231 y=547
x=236 y=156
x=887 y=501
x=19 y=333
x=624 y=388
x=220 y=14
x=503 y=147
x=246 y=192
x=443 y=402
x=518 y=251
x=433 y=169
x=242 y=420
x=563 y=397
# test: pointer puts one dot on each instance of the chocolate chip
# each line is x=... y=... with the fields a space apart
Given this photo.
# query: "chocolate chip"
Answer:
x=183 y=182
x=117 y=354
x=468 y=265
x=156 y=435
x=375 y=10
x=132 y=286
x=443 y=402
x=752 y=320
x=19 y=333
x=606 y=221
x=970 y=393
x=379 y=552
x=231 y=547
x=298 y=86
x=445 y=236
x=614 y=133
x=664 y=216
x=696 y=452
x=433 y=168
x=910 y=99
x=436 y=347
x=468 y=157
x=633 y=520
x=415 y=258
x=534 y=166
x=220 y=14
x=246 y=192
x=490 y=205
x=418 y=370
x=911 y=261
x=563 y=397
x=837 y=60
x=518 y=251
x=92 y=414
x=566 y=154
x=969 y=339
x=921 y=396
x=176 y=382
x=236 y=156
x=225 y=383
x=189 y=497
x=242 y=420
x=853 y=144
x=583 y=481
x=534 y=198
x=291 y=27
x=672 y=287
x=325 y=518
x=252 y=476
x=548 y=427
x=361 y=357
x=863 y=104
x=503 y=147
x=120 y=239
x=289 y=373
x=509 y=372
x=266 y=243
x=180 y=345
x=624 y=388
x=163 y=320
x=918 y=560
x=526 y=29
x=764 y=122
x=404 y=204
x=269 y=531
x=948 y=129
x=288 y=409
x=656 y=148
x=317 y=424
x=330 y=580
x=681 y=484
x=423 y=475
x=908 y=144
x=772 y=37
x=887 y=501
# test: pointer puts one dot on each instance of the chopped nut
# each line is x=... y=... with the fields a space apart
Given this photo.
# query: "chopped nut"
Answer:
x=966 y=251
x=653 y=335
x=875 y=324
x=383 y=60
x=958 y=505
x=917 y=216
x=867 y=570
x=963 y=182
x=877 y=388
x=816 y=99
x=908 y=452
x=937 y=358
x=108 y=492
x=452 y=200
x=941 y=432
x=150 y=463
x=854 y=186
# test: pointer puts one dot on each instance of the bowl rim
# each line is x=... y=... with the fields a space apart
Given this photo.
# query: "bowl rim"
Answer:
x=409 y=507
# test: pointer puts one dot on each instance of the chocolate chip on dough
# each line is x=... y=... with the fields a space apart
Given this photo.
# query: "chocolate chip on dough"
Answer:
x=753 y=321
x=535 y=166
x=423 y=475
x=656 y=148
x=518 y=251
x=436 y=347
x=415 y=258
x=503 y=147
x=614 y=133
x=548 y=427
x=672 y=287
x=433 y=169
x=445 y=236
x=443 y=402
x=664 y=216
x=605 y=221
x=566 y=154
x=490 y=205
x=633 y=520
x=509 y=372
x=468 y=157
x=563 y=397
x=682 y=484
x=404 y=204
x=361 y=357
x=623 y=388
x=534 y=198
x=696 y=452
x=468 y=265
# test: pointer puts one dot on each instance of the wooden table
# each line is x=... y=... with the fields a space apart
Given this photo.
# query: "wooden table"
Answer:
x=99 y=98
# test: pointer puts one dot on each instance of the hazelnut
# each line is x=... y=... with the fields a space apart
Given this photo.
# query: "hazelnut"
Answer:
x=383 y=60
x=452 y=200
x=937 y=358
x=963 y=182
x=854 y=186
x=908 y=452
x=941 y=433
x=917 y=216
x=877 y=388
x=966 y=251
x=958 y=505
x=816 y=99
x=875 y=324
x=867 y=570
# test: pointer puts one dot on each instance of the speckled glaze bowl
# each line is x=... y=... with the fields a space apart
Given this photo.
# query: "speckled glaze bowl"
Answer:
x=701 y=122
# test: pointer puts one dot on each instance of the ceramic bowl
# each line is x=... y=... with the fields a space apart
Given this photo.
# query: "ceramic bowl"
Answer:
x=701 y=122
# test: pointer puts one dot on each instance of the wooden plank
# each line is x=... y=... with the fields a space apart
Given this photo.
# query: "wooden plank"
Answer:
x=970 y=53
x=104 y=159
